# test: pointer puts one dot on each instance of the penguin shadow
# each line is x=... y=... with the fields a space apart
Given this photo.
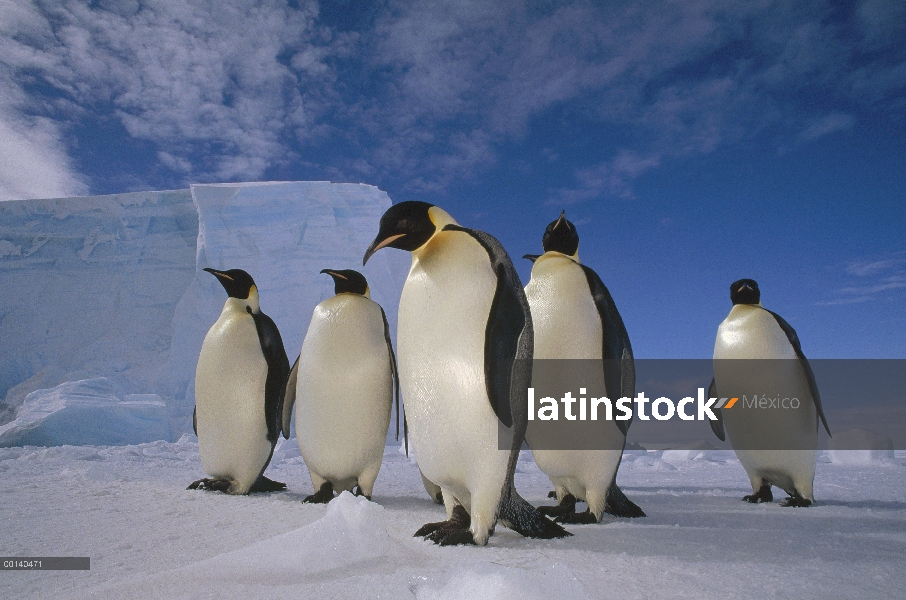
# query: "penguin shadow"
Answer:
x=863 y=504
x=409 y=503
x=660 y=490
x=739 y=492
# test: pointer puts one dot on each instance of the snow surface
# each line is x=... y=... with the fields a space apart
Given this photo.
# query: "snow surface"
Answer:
x=112 y=287
x=148 y=537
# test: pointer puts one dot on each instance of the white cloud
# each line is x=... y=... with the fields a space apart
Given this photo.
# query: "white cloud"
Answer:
x=875 y=278
x=826 y=125
x=678 y=79
x=612 y=178
x=217 y=87
x=870 y=267
x=33 y=162
x=227 y=90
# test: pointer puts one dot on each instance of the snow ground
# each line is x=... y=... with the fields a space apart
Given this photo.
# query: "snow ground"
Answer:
x=148 y=537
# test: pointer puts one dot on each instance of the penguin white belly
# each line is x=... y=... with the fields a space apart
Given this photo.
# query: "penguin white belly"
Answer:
x=229 y=399
x=344 y=393
x=443 y=313
x=752 y=333
x=568 y=326
x=566 y=320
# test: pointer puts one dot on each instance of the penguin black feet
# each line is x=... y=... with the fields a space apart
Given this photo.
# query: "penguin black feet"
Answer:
x=567 y=506
x=762 y=495
x=322 y=496
x=797 y=501
x=617 y=504
x=263 y=484
x=449 y=533
x=357 y=491
x=210 y=485
x=577 y=518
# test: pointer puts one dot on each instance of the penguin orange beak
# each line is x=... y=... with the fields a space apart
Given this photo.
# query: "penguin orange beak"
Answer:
x=377 y=245
x=334 y=274
x=218 y=274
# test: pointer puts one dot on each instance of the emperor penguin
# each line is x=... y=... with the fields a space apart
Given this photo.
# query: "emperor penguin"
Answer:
x=242 y=370
x=464 y=344
x=777 y=445
x=342 y=388
x=575 y=317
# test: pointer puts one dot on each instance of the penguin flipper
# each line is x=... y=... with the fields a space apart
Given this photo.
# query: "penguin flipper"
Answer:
x=289 y=399
x=277 y=372
x=396 y=381
x=716 y=426
x=508 y=336
x=806 y=367
x=195 y=421
x=615 y=343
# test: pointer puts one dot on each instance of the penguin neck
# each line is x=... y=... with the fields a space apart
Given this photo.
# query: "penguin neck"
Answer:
x=555 y=254
x=367 y=294
x=249 y=304
x=744 y=307
x=440 y=218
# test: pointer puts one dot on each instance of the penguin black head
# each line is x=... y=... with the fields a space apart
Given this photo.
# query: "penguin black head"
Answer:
x=745 y=291
x=236 y=282
x=348 y=281
x=561 y=236
x=408 y=226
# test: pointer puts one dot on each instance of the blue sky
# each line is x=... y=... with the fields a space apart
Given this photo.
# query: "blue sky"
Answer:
x=693 y=143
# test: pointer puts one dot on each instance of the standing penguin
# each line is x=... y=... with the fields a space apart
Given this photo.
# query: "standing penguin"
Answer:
x=239 y=381
x=342 y=387
x=575 y=317
x=465 y=349
x=776 y=447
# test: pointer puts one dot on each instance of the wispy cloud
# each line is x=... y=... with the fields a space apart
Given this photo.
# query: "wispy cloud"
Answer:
x=677 y=79
x=34 y=162
x=827 y=124
x=872 y=279
x=216 y=88
x=430 y=93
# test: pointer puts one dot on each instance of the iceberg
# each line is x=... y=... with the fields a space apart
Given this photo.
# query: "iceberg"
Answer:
x=86 y=413
x=112 y=286
x=860 y=447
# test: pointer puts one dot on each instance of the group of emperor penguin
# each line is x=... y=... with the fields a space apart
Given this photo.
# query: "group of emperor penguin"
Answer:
x=467 y=334
x=344 y=378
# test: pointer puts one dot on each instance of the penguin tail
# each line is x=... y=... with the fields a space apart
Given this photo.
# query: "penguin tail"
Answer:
x=524 y=519
x=617 y=504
